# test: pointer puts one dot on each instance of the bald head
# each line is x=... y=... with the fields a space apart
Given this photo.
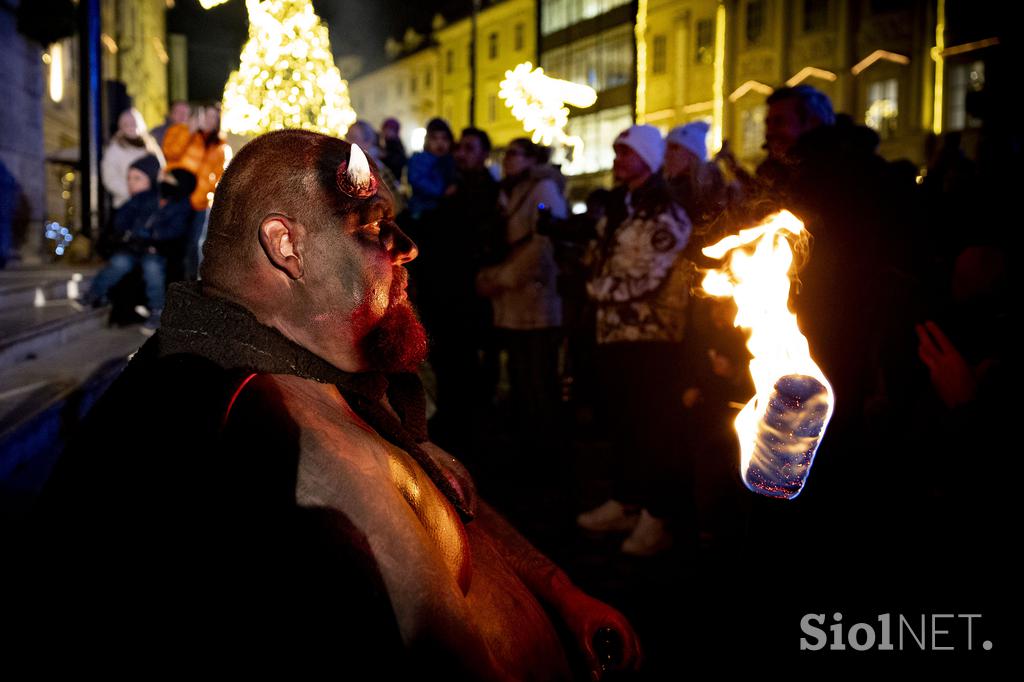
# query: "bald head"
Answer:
x=300 y=236
x=287 y=172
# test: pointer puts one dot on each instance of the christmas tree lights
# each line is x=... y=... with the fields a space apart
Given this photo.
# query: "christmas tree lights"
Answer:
x=287 y=77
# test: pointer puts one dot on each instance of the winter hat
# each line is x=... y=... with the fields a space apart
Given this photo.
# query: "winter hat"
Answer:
x=150 y=165
x=646 y=141
x=693 y=136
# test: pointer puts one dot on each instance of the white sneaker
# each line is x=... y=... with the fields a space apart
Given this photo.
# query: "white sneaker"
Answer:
x=650 y=537
x=609 y=517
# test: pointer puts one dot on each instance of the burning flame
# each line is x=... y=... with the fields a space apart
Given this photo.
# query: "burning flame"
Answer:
x=781 y=427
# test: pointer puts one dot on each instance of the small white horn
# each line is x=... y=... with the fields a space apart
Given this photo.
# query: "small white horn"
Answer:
x=358 y=168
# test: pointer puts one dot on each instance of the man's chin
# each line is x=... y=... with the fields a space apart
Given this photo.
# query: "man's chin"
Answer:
x=398 y=343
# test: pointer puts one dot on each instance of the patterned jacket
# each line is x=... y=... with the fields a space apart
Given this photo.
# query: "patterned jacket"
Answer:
x=641 y=282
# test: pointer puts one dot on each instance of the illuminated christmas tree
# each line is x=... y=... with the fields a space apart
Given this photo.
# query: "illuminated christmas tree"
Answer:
x=287 y=77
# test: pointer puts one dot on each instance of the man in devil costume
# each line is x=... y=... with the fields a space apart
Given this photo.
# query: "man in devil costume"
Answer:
x=262 y=473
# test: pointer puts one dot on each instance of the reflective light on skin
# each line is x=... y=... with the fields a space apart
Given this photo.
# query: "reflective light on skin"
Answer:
x=780 y=429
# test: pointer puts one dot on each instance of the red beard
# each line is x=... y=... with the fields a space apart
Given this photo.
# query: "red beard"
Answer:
x=398 y=342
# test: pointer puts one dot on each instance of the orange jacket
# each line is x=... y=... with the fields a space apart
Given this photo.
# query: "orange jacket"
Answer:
x=186 y=149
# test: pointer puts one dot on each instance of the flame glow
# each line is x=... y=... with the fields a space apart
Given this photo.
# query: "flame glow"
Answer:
x=781 y=427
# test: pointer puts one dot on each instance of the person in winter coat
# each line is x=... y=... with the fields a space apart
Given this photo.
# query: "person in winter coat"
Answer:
x=144 y=227
x=523 y=285
x=641 y=288
x=199 y=148
x=129 y=144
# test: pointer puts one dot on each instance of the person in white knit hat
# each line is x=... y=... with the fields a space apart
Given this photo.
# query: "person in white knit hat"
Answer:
x=695 y=182
x=640 y=291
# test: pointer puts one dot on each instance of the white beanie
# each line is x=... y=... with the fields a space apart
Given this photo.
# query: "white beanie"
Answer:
x=693 y=136
x=646 y=141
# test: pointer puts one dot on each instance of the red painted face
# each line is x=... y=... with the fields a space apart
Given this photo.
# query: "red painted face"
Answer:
x=397 y=341
x=358 y=288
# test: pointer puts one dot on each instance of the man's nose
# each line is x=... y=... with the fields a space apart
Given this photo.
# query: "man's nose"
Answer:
x=399 y=246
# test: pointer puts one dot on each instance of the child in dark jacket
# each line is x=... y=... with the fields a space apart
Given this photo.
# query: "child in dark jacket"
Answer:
x=151 y=222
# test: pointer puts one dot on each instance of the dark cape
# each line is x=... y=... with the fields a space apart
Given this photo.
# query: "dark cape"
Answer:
x=181 y=527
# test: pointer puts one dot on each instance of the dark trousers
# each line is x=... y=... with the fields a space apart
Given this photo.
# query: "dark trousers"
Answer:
x=533 y=379
x=641 y=386
x=154 y=273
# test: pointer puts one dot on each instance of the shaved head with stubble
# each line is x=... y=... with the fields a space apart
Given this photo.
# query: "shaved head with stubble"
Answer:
x=292 y=241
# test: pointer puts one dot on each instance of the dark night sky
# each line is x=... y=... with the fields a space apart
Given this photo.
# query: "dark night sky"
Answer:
x=357 y=27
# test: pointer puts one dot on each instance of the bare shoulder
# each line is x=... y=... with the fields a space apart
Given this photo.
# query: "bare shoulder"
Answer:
x=337 y=453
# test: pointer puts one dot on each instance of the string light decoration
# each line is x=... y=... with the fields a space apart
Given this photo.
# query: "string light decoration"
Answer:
x=538 y=101
x=287 y=77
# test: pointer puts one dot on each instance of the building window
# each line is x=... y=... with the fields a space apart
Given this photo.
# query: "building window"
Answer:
x=558 y=14
x=412 y=86
x=619 y=60
x=604 y=61
x=428 y=77
x=755 y=25
x=492 y=108
x=492 y=46
x=705 y=42
x=553 y=15
x=815 y=15
x=964 y=79
x=882 y=114
x=400 y=88
x=598 y=131
x=520 y=36
x=659 y=60
x=449 y=61
x=752 y=130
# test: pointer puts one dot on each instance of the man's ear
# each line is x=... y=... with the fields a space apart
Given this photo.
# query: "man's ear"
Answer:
x=282 y=240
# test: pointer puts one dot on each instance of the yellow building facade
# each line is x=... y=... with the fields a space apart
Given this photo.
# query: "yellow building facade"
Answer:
x=874 y=60
x=506 y=36
x=434 y=77
x=135 y=52
x=408 y=90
